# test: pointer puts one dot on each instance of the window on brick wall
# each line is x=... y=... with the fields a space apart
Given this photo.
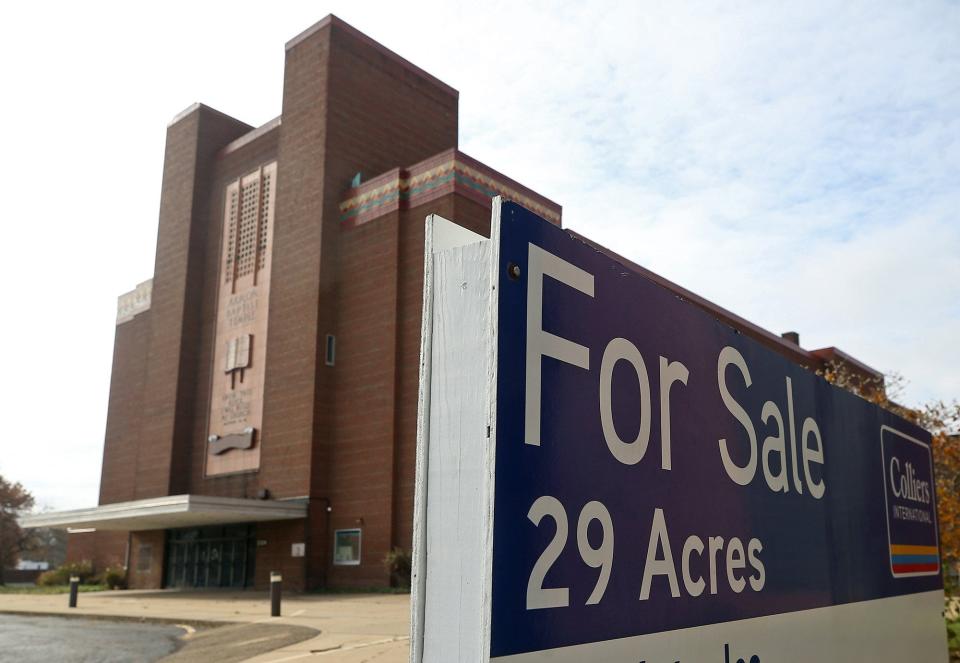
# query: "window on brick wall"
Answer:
x=346 y=547
x=330 y=356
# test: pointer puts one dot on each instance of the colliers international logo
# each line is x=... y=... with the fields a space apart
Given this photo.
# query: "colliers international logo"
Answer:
x=911 y=509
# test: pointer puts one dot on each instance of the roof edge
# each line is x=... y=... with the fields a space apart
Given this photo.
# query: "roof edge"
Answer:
x=251 y=136
x=167 y=505
x=198 y=106
x=331 y=20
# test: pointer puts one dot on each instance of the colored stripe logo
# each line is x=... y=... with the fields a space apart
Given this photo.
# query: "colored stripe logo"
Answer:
x=914 y=559
x=910 y=505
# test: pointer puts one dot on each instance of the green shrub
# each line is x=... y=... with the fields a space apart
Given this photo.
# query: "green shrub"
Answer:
x=114 y=577
x=399 y=563
x=48 y=579
x=953 y=639
x=61 y=575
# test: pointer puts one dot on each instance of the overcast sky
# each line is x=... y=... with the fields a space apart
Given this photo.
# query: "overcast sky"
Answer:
x=795 y=162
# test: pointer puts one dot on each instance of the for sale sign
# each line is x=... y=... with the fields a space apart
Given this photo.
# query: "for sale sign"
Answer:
x=663 y=488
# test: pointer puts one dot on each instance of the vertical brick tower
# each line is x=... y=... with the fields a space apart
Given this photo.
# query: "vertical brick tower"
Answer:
x=262 y=411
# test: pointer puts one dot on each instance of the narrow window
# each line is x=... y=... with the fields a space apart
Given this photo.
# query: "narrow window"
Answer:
x=346 y=547
x=331 y=355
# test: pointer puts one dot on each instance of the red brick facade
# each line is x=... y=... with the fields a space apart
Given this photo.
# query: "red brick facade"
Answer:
x=340 y=437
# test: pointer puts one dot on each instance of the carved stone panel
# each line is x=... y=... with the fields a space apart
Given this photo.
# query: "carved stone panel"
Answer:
x=236 y=404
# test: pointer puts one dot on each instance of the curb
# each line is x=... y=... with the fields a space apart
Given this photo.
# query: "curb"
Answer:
x=196 y=623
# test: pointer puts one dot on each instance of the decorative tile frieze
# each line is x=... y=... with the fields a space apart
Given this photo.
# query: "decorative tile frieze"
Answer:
x=448 y=172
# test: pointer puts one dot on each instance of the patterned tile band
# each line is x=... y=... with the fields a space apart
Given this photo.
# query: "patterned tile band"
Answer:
x=412 y=190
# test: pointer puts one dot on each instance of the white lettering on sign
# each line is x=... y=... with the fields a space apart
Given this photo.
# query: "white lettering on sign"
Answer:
x=596 y=558
x=631 y=453
x=703 y=563
x=600 y=557
x=905 y=484
x=537 y=596
x=670 y=372
x=540 y=343
x=734 y=562
x=740 y=475
x=628 y=453
x=740 y=565
x=744 y=475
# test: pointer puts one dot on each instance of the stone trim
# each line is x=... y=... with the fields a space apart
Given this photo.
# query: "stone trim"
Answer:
x=131 y=304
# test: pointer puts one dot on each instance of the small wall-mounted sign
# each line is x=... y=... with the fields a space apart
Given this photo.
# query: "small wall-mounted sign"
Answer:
x=261 y=543
x=298 y=549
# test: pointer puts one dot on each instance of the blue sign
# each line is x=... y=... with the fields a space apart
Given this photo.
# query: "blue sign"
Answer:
x=657 y=470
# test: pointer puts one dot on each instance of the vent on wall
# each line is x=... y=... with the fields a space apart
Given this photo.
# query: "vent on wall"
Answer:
x=248 y=226
x=264 y=219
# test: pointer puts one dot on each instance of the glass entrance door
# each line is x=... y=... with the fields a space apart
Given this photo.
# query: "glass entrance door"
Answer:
x=219 y=556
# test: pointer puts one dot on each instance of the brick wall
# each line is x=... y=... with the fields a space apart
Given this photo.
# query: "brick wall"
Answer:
x=470 y=214
x=348 y=107
x=291 y=370
x=381 y=115
x=363 y=394
x=102 y=549
x=377 y=376
x=275 y=554
x=146 y=559
x=193 y=141
x=122 y=438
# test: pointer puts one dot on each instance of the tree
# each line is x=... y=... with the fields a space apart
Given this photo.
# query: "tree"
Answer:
x=15 y=500
x=942 y=420
x=47 y=545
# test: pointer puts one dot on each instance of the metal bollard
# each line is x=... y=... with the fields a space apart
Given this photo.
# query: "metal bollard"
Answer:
x=276 y=582
x=74 y=588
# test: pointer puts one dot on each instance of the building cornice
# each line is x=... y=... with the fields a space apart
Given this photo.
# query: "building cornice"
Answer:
x=451 y=171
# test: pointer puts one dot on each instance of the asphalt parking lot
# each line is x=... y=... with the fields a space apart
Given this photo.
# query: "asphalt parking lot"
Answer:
x=218 y=627
x=27 y=639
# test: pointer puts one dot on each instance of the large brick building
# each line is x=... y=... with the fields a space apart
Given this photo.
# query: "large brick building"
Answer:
x=262 y=410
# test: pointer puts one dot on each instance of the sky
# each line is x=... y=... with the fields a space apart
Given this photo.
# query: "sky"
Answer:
x=796 y=163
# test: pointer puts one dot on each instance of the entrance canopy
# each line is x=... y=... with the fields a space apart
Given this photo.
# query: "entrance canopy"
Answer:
x=170 y=512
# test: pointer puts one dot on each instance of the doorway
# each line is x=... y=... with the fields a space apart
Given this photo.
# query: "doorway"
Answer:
x=207 y=557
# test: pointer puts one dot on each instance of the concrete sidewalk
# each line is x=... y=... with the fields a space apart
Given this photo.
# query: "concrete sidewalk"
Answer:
x=353 y=627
